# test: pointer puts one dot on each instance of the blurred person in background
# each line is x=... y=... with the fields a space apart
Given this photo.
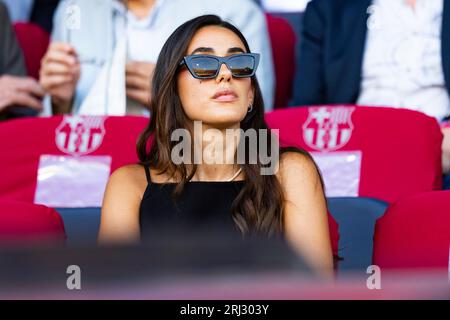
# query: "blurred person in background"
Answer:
x=103 y=53
x=393 y=53
x=19 y=95
x=39 y=12
x=191 y=84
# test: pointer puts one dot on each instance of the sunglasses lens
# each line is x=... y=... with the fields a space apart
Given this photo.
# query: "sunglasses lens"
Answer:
x=204 y=67
x=242 y=66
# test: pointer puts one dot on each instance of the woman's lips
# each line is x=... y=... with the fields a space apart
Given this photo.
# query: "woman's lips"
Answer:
x=225 y=96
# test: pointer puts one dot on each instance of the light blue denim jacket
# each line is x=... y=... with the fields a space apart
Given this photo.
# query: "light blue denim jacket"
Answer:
x=91 y=26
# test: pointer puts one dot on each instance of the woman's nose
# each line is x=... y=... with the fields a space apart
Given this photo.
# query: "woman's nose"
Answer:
x=224 y=74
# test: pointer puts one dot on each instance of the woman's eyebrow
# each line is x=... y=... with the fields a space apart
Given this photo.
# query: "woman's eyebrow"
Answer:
x=202 y=49
x=210 y=50
x=235 y=50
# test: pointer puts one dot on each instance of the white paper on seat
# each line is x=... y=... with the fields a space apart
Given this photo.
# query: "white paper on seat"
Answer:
x=67 y=181
x=341 y=172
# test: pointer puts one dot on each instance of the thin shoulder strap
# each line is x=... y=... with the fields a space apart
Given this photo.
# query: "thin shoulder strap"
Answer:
x=147 y=174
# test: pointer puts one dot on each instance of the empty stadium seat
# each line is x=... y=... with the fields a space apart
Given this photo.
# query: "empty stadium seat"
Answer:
x=24 y=141
x=282 y=38
x=34 y=42
x=25 y=223
x=82 y=225
x=356 y=218
x=414 y=233
x=400 y=149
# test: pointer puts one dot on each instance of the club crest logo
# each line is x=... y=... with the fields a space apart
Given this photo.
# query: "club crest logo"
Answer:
x=328 y=128
x=80 y=135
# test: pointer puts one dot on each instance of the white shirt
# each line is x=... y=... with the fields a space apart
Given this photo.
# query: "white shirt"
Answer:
x=402 y=64
x=144 y=36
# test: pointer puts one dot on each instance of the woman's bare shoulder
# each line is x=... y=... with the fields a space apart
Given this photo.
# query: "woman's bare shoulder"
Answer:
x=131 y=177
x=297 y=165
x=134 y=174
x=120 y=209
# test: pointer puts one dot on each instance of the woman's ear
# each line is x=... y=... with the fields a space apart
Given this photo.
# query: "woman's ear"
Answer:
x=251 y=96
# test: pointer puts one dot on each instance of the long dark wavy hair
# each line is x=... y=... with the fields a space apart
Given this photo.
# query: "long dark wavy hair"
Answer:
x=258 y=208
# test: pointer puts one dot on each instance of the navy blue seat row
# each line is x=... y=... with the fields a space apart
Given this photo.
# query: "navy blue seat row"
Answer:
x=356 y=218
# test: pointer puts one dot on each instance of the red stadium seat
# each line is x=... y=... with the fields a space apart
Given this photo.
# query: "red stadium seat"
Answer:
x=22 y=222
x=414 y=233
x=282 y=39
x=34 y=42
x=25 y=140
x=401 y=149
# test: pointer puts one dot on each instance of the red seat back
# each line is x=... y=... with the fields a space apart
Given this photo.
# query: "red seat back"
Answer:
x=34 y=42
x=414 y=233
x=282 y=39
x=401 y=149
x=25 y=140
x=22 y=222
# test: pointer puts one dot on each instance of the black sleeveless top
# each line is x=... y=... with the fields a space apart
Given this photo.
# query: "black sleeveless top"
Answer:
x=202 y=205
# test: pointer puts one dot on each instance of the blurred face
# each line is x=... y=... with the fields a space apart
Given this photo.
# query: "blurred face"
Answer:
x=219 y=102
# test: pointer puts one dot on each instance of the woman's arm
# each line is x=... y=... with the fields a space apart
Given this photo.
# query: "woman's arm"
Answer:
x=120 y=211
x=305 y=211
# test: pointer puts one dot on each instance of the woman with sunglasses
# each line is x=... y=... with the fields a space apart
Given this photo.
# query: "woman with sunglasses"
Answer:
x=206 y=73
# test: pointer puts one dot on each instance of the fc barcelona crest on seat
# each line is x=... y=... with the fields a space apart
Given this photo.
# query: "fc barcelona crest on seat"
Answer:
x=328 y=128
x=80 y=135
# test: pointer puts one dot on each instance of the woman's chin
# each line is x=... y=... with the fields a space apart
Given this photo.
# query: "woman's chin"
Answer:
x=223 y=121
x=223 y=114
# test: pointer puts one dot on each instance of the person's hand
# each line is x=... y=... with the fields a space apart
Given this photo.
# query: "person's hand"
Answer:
x=20 y=91
x=60 y=71
x=138 y=81
x=446 y=150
